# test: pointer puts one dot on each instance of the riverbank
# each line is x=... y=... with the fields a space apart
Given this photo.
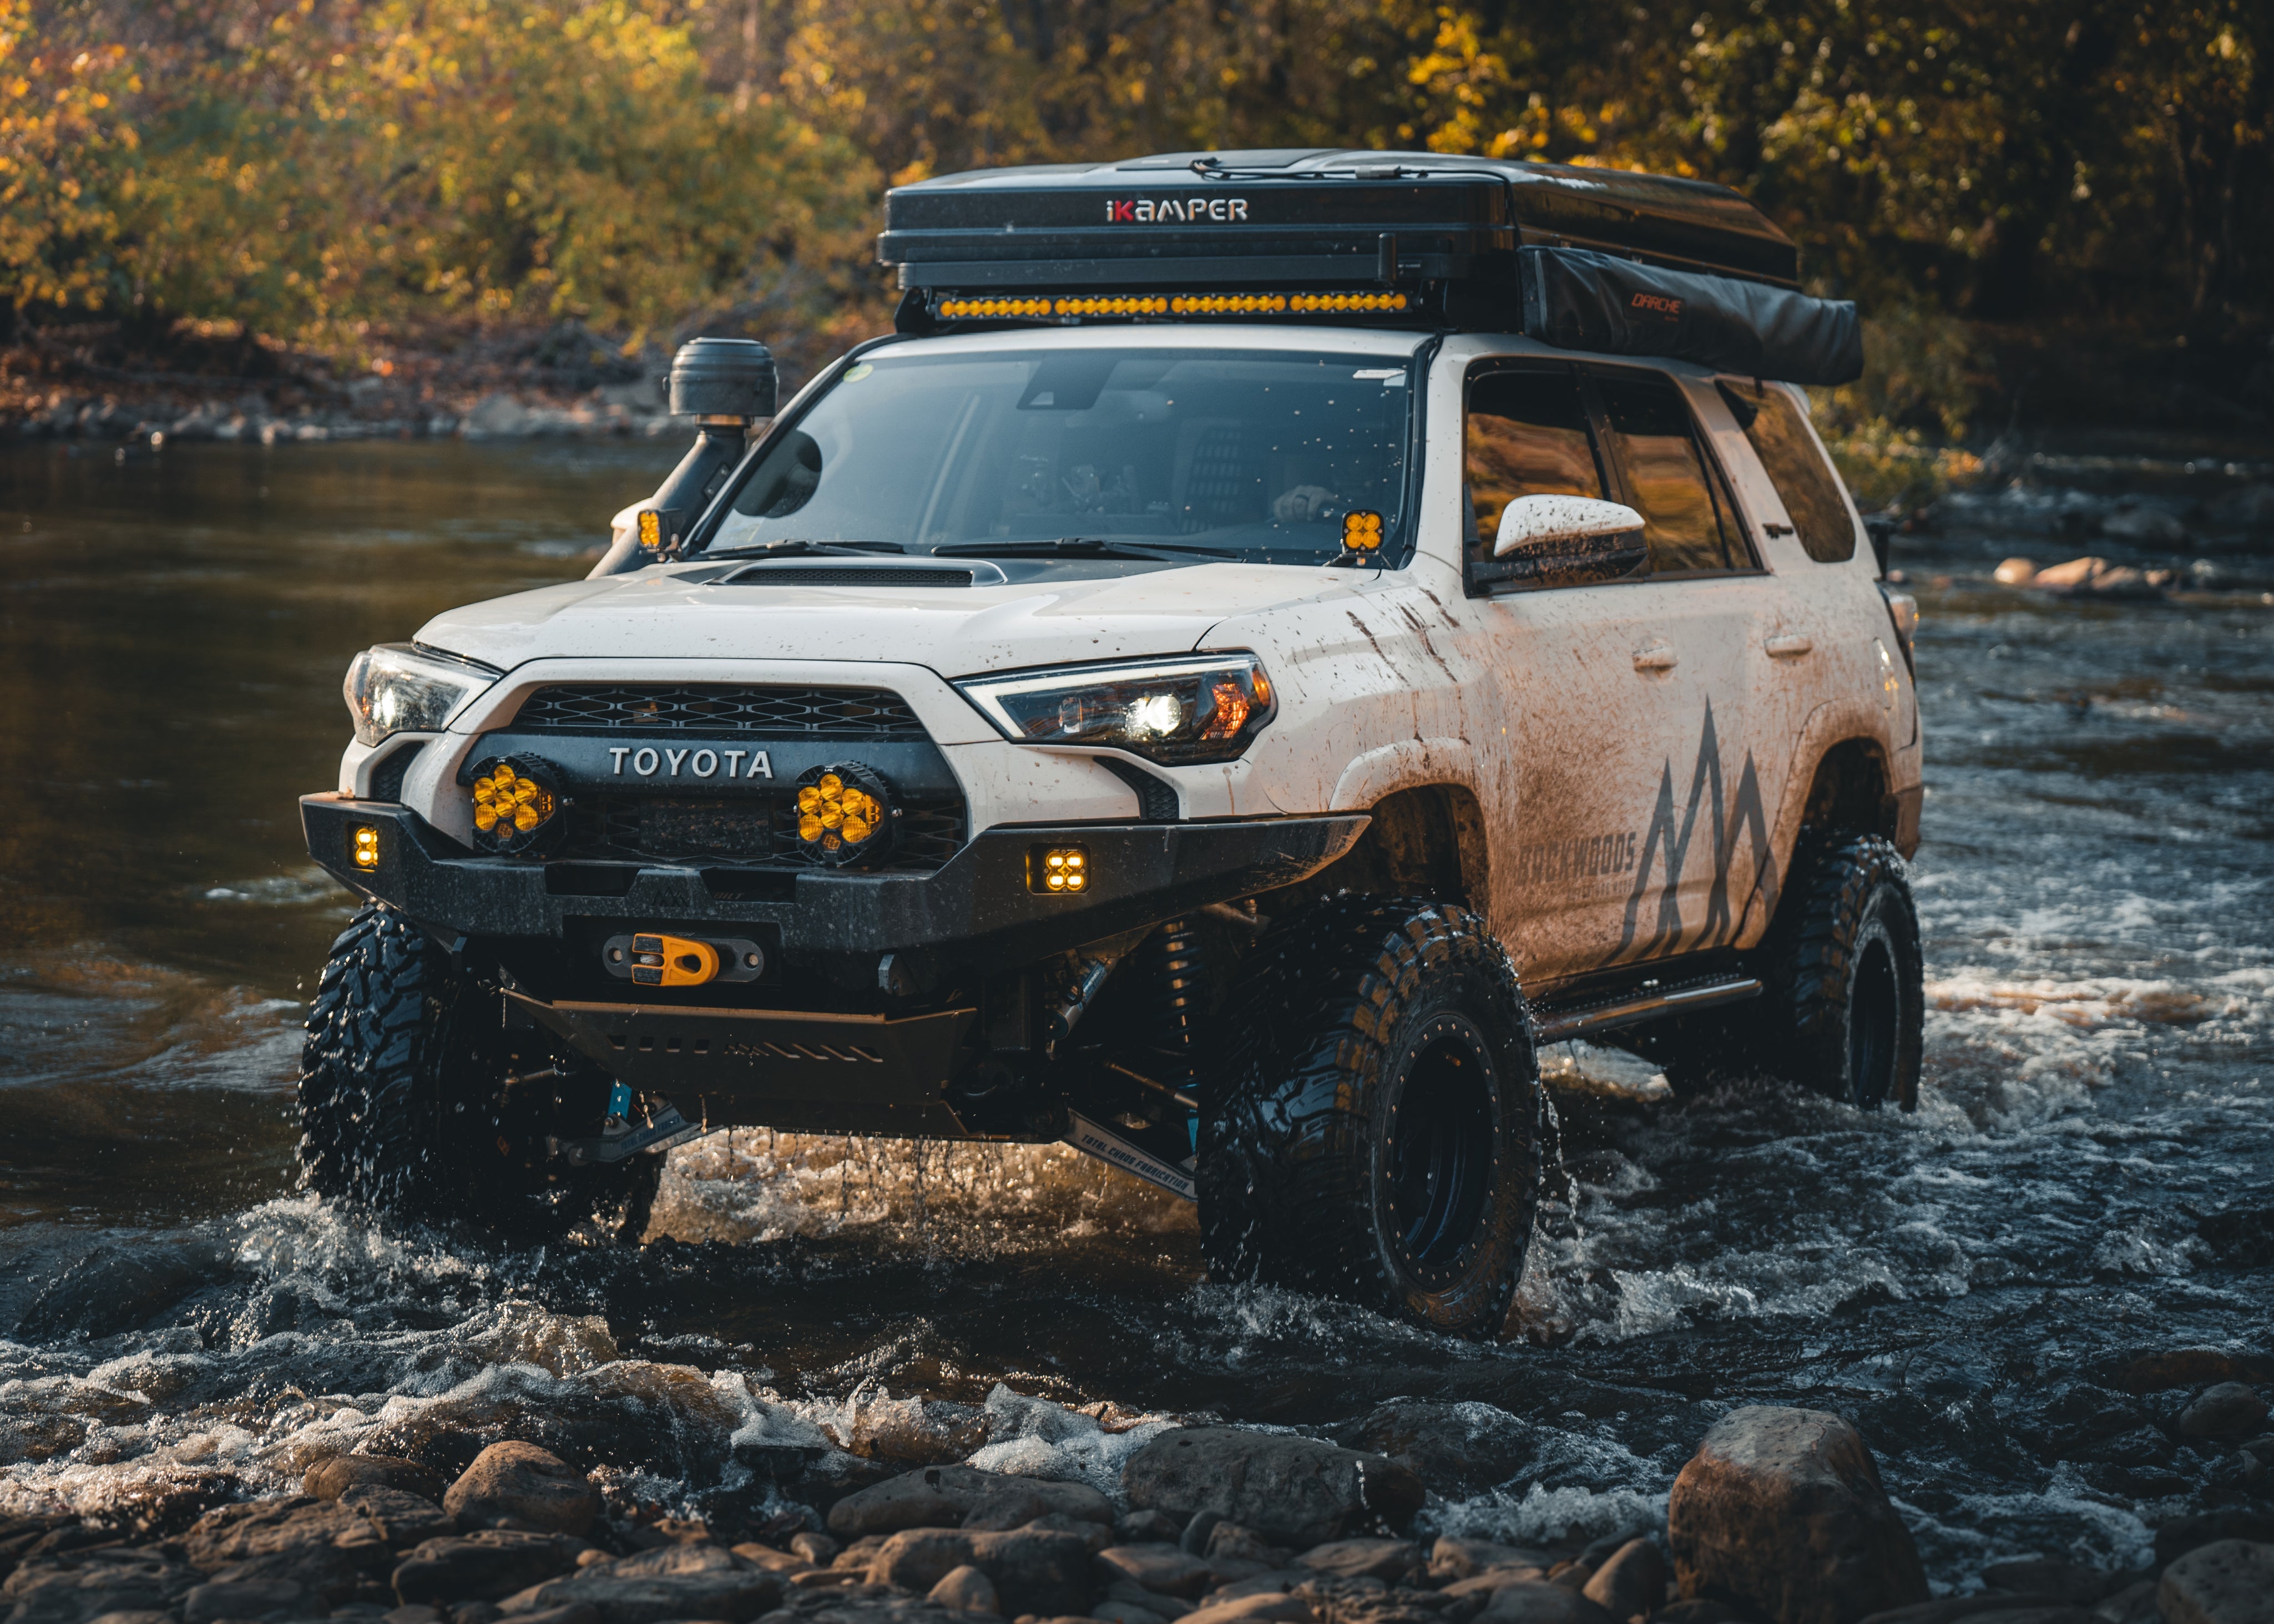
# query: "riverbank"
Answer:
x=1064 y=1514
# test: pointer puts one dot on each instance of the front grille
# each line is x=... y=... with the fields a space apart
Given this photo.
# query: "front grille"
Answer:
x=809 y=712
x=641 y=828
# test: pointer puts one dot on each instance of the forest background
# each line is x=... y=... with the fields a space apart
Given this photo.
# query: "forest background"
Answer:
x=2073 y=197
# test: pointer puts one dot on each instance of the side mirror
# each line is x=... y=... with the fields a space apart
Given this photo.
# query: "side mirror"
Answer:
x=1567 y=541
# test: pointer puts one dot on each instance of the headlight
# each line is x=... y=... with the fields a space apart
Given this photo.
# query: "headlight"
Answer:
x=401 y=688
x=1178 y=712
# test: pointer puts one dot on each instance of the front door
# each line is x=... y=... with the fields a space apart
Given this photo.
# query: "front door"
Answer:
x=1643 y=812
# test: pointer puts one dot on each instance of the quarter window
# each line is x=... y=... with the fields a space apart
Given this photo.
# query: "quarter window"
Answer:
x=1688 y=520
x=1811 y=491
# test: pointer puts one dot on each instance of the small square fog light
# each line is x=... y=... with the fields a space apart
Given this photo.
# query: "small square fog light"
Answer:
x=1058 y=870
x=363 y=845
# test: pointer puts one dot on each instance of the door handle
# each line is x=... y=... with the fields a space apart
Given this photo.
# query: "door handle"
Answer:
x=1658 y=657
x=1787 y=647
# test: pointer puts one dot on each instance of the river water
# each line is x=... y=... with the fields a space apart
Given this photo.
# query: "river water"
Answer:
x=1980 y=1286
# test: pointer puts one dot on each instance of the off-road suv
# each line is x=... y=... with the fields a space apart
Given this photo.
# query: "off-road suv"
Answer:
x=1270 y=640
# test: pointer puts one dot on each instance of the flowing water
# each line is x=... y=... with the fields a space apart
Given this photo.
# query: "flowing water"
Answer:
x=1979 y=1285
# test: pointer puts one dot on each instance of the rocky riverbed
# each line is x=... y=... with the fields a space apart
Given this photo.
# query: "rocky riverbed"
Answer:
x=1778 y=1518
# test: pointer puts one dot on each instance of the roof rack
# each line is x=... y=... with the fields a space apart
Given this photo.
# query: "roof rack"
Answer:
x=1371 y=238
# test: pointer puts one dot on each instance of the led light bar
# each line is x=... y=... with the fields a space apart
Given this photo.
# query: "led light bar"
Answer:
x=966 y=307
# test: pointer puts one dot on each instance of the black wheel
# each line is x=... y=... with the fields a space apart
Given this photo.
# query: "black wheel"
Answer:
x=1373 y=1130
x=1844 y=1009
x=406 y=1105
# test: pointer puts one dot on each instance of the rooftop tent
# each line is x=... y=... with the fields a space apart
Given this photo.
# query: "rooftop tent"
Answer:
x=1228 y=233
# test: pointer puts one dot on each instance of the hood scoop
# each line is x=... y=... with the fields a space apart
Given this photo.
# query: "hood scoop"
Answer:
x=979 y=574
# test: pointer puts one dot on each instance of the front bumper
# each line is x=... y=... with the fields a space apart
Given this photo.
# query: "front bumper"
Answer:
x=976 y=903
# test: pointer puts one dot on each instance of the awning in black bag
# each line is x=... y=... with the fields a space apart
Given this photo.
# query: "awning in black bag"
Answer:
x=1577 y=300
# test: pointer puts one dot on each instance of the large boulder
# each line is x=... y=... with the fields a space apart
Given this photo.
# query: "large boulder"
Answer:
x=1780 y=1512
x=528 y=1486
x=2229 y=1410
x=1295 y=1492
x=671 y=1581
x=2230 y=1582
x=943 y=1496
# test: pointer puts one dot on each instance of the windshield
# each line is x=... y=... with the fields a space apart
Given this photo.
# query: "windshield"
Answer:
x=1253 y=455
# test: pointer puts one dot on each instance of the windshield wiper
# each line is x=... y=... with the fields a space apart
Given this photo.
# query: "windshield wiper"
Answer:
x=797 y=545
x=1081 y=546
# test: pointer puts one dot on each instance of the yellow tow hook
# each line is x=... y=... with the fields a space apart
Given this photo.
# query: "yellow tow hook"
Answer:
x=673 y=962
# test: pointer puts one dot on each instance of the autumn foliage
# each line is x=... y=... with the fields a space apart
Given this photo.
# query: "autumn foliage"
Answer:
x=319 y=170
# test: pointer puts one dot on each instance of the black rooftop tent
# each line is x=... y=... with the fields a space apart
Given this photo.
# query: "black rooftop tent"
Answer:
x=1601 y=259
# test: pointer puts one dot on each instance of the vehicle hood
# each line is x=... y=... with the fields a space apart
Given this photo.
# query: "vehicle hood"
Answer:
x=956 y=631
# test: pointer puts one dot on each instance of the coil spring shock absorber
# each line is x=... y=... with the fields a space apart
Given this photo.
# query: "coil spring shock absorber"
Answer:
x=1175 y=950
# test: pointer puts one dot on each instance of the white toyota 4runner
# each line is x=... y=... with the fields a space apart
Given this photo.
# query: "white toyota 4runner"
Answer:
x=1271 y=639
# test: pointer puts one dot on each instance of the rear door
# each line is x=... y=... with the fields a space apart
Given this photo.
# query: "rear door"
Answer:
x=1705 y=766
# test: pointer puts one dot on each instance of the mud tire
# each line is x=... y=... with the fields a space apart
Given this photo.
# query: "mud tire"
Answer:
x=1845 y=1007
x=404 y=1107
x=1348 y=1015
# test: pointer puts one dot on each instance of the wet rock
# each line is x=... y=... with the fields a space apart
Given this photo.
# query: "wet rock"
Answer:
x=1985 y=1609
x=2048 y=1578
x=532 y=1486
x=1115 y=1609
x=2190 y=1367
x=1034 y=1570
x=917 y=1432
x=1632 y=1582
x=1147 y=1526
x=2176 y=1538
x=2229 y=1583
x=1235 y=1542
x=330 y=1479
x=1390 y=1561
x=403 y=1519
x=1452 y=1559
x=245 y=1599
x=330 y=1549
x=488 y=1564
x=1158 y=1568
x=1270 y=1582
x=575 y=1613
x=675 y=1581
x=1197 y=1529
x=2014 y=572
x=819 y=1549
x=1485 y=1585
x=1456 y=1449
x=863 y=1605
x=772 y=1561
x=967 y=1590
x=1536 y=1603
x=2097 y=577
x=1006 y=1508
x=1296 y=1492
x=1269 y=1609
x=2229 y=1410
x=942 y=1496
x=113 y=1289
x=74 y=1587
x=1781 y=1511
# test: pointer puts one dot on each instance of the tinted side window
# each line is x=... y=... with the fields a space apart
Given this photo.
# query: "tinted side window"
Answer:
x=1787 y=452
x=1687 y=518
x=1527 y=435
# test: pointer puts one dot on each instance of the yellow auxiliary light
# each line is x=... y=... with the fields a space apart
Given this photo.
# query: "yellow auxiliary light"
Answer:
x=1058 y=870
x=1362 y=531
x=362 y=846
x=845 y=814
x=513 y=802
x=651 y=530
x=963 y=307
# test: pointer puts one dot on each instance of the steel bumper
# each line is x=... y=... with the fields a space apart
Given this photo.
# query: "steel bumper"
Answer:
x=978 y=902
